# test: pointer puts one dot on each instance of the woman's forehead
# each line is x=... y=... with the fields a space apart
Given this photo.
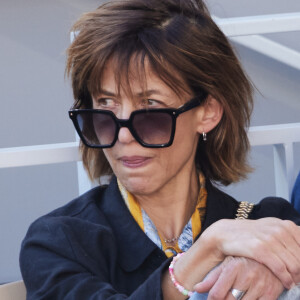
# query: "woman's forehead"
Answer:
x=133 y=80
x=139 y=79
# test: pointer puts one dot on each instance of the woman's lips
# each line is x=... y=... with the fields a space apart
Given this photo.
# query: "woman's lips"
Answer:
x=134 y=161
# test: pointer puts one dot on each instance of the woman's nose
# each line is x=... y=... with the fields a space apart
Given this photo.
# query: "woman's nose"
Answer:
x=125 y=136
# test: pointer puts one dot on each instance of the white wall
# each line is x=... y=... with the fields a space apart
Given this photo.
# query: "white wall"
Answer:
x=35 y=99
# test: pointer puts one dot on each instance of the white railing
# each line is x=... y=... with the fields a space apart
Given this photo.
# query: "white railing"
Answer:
x=281 y=137
x=259 y=24
x=246 y=31
x=38 y=155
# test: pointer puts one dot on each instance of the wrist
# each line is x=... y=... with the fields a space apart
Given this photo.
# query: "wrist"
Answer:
x=184 y=291
x=191 y=268
x=212 y=239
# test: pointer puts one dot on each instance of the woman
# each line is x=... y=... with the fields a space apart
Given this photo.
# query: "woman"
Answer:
x=161 y=104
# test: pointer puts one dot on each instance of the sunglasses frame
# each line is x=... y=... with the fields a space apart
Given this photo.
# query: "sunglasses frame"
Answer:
x=173 y=112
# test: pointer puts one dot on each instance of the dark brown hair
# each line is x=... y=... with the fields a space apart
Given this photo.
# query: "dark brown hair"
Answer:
x=171 y=35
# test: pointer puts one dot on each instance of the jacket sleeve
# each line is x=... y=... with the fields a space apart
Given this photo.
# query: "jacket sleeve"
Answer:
x=275 y=207
x=52 y=267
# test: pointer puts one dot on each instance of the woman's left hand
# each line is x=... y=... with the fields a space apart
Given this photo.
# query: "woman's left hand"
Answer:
x=270 y=241
x=243 y=274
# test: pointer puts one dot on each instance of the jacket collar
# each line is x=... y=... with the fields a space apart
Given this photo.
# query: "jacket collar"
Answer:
x=219 y=206
x=133 y=244
x=134 y=247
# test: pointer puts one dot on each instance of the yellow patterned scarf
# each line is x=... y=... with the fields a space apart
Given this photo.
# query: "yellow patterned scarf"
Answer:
x=190 y=231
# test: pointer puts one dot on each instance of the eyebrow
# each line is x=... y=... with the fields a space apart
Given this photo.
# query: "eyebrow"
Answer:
x=150 y=92
x=140 y=94
x=107 y=93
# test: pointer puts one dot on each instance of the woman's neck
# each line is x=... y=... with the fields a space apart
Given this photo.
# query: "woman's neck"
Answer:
x=171 y=207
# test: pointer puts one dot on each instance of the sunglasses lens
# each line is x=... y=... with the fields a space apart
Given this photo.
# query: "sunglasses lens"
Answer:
x=153 y=128
x=98 y=129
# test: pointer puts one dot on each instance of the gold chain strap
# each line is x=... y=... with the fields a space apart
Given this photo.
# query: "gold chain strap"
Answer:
x=244 y=210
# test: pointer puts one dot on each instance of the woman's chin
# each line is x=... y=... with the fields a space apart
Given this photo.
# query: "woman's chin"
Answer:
x=137 y=185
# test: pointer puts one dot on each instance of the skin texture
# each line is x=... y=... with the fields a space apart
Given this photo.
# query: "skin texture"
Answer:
x=252 y=255
x=241 y=273
x=259 y=246
x=272 y=242
x=168 y=179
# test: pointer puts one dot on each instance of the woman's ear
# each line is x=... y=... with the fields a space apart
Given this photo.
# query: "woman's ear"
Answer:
x=209 y=115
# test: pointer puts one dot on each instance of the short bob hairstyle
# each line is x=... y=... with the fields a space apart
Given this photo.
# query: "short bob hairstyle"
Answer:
x=171 y=35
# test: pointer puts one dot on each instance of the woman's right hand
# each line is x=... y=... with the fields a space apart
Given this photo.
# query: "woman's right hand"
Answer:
x=244 y=274
x=269 y=241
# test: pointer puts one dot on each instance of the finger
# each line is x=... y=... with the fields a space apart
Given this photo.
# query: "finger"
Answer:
x=293 y=234
x=281 y=248
x=292 y=246
x=209 y=280
x=225 y=281
x=296 y=233
x=291 y=261
x=287 y=235
x=277 y=266
x=262 y=291
x=254 y=280
x=243 y=282
x=282 y=243
x=255 y=291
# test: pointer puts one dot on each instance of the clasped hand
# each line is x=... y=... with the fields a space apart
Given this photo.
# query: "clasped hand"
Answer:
x=244 y=274
x=259 y=256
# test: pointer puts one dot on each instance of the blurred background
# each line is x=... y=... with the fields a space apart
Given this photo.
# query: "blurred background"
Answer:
x=35 y=98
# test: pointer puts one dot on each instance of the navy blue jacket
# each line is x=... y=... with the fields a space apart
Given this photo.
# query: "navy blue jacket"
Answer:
x=93 y=249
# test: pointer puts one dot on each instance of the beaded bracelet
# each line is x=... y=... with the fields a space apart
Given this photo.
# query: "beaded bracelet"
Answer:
x=178 y=286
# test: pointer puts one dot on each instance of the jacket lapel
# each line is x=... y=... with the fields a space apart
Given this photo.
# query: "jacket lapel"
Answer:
x=133 y=244
x=219 y=206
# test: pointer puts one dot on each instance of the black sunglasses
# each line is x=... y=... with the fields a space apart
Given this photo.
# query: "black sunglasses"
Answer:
x=152 y=128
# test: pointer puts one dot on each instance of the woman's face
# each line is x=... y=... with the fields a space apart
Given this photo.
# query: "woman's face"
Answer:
x=141 y=170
